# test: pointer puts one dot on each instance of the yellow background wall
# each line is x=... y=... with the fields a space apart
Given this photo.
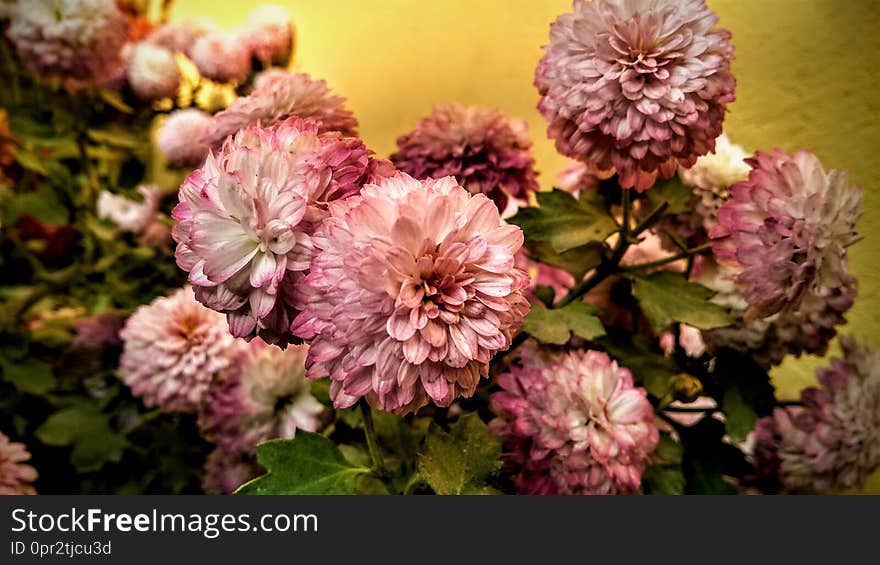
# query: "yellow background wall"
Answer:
x=806 y=73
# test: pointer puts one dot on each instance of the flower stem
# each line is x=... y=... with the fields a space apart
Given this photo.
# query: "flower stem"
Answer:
x=699 y=250
x=372 y=443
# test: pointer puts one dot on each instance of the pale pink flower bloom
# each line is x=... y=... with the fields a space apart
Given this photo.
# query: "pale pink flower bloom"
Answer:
x=247 y=215
x=180 y=37
x=16 y=475
x=180 y=137
x=225 y=471
x=481 y=147
x=130 y=215
x=278 y=95
x=785 y=230
x=573 y=423
x=76 y=42
x=268 y=33
x=411 y=291
x=267 y=397
x=637 y=85
x=221 y=57
x=153 y=72
x=174 y=348
x=833 y=441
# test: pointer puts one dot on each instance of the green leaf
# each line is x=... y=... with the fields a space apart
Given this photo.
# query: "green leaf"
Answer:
x=307 y=464
x=461 y=461
x=667 y=297
x=650 y=369
x=663 y=479
x=88 y=430
x=672 y=191
x=31 y=162
x=29 y=375
x=740 y=417
x=564 y=222
x=114 y=99
x=576 y=261
x=555 y=325
x=43 y=204
x=117 y=137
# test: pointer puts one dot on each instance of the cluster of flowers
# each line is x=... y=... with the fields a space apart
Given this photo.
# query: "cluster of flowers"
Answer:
x=400 y=280
x=179 y=356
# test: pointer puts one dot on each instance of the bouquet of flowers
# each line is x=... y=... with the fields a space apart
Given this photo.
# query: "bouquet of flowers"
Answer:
x=211 y=284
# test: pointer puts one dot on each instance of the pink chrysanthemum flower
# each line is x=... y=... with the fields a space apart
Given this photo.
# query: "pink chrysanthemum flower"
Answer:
x=153 y=72
x=482 y=148
x=246 y=218
x=180 y=137
x=221 y=57
x=278 y=95
x=76 y=42
x=785 y=230
x=268 y=33
x=225 y=471
x=130 y=215
x=573 y=423
x=174 y=348
x=411 y=290
x=637 y=85
x=267 y=397
x=180 y=37
x=833 y=441
x=16 y=475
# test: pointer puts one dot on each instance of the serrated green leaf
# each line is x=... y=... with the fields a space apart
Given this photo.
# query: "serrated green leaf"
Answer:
x=555 y=326
x=461 y=461
x=307 y=464
x=672 y=191
x=667 y=297
x=88 y=430
x=29 y=375
x=564 y=222
x=576 y=261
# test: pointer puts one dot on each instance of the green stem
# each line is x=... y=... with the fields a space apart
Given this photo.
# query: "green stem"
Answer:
x=705 y=248
x=372 y=443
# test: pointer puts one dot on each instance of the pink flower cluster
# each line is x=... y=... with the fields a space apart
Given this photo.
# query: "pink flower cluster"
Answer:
x=246 y=219
x=266 y=397
x=411 y=290
x=174 y=349
x=16 y=475
x=573 y=423
x=482 y=148
x=833 y=441
x=278 y=95
x=76 y=42
x=637 y=85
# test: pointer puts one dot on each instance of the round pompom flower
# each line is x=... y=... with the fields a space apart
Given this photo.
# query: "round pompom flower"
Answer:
x=174 y=348
x=130 y=215
x=180 y=37
x=411 y=290
x=711 y=178
x=153 y=72
x=225 y=471
x=573 y=423
x=180 y=137
x=267 y=397
x=278 y=95
x=76 y=42
x=221 y=57
x=246 y=218
x=833 y=441
x=268 y=33
x=785 y=230
x=482 y=148
x=637 y=85
x=16 y=475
